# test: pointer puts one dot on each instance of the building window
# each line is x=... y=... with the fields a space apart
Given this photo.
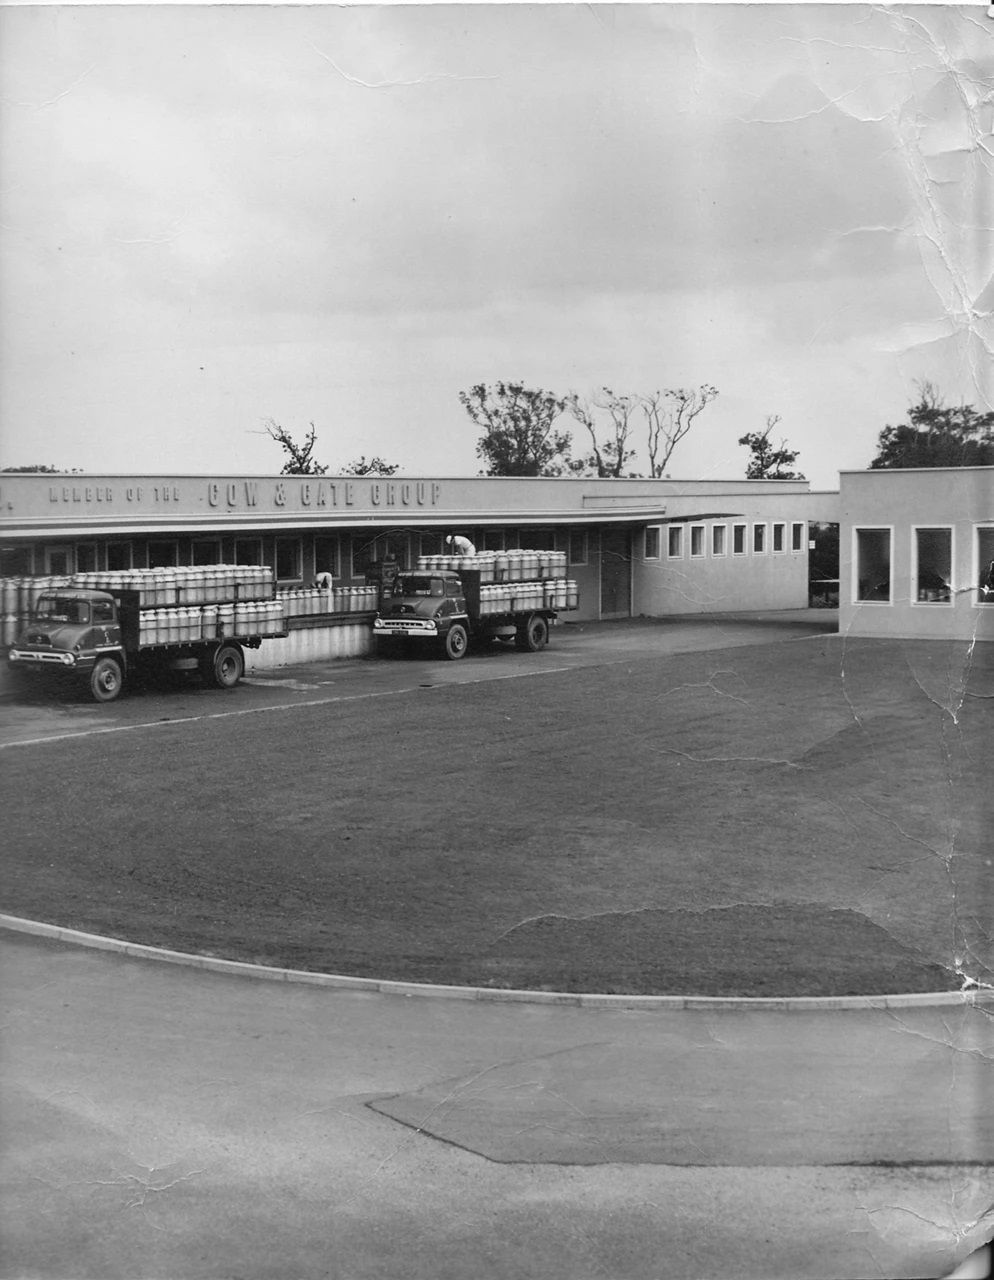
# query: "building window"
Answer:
x=289 y=556
x=696 y=540
x=543 y=539
x=985 y=565
x=248 y=551
x=163 y=555
x=872 y=561
x=578 y=547
x=206 y=551
x=718 y=534
x=652 y=543
x=932 y=565
x=15 y=562
x=433 y=544
x=738 y=539
x=326 y=554
x=779 y=537
x=758 y=539
x=86 y=557
x=387 y=546
x=797 y=536
x=674 y=542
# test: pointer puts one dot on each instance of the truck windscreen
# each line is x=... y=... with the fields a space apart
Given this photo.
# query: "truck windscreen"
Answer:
x=59 y=609
x=418 y=586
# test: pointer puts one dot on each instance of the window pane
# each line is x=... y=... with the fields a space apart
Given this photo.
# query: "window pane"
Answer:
x=206 y=552
x=797 y=537
x=696 y=540
x=248 y=551
x=759 y=537
x=163 y=555
x=739 y=539
x=873 y=564
x=675 y=541
x=652 y=544
x=288 y=559
x=718 y=540
x=934 y=552
x=778 y=536
x=578 y=548
x=985 y=559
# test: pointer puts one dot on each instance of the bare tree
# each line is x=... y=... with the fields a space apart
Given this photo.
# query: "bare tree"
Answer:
x=610 y=457
x=300 y=460
x=669 y=417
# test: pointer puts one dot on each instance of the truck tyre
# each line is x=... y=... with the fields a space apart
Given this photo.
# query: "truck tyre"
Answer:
x=456 y=641
x=227 y=666
x=534 y=635
x=106 y=679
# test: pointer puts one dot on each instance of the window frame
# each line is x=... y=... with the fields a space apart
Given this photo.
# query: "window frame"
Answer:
x=583 y=535
x=677 y=531
x=758 y=527
x=700 y=529
x=744 y=530
x=722 y=552
x=913 y=581
x=975 y=575
x=781 y=526
x=162 y=542
x=854 y=561
x=281 y=545
x=656 y=531
x=797 y=536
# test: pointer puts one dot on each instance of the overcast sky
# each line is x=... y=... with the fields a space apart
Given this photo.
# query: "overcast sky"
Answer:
x=212 y=216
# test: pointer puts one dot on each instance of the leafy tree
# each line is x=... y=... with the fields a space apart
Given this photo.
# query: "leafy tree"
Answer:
x=300 y=460
x=669 y=415
x=517 y=422
x=937 y=435
x=374 y=467
x=610 y=457
x=769 y=462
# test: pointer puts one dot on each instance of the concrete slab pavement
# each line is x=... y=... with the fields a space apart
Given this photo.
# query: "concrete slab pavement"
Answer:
x=165 y=1122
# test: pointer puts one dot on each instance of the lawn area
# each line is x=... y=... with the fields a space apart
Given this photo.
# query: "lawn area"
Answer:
x=800 y=818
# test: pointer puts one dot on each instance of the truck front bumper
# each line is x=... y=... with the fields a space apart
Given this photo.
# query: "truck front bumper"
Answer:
x=43 y=658
x=425 y=629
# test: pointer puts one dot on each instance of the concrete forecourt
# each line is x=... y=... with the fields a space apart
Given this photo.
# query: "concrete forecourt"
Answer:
x=175 y=1121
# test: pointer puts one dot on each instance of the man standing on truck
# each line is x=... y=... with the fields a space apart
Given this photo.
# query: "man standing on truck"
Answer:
x=460 y=545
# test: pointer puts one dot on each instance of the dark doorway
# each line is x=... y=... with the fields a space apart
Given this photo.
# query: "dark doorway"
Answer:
x=616 y=573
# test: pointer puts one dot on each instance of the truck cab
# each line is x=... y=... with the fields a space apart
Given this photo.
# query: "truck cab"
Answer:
x=74 y=630
x=427 y=606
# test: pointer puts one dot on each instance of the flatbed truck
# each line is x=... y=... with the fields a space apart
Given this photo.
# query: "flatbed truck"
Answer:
x=447 y=610
x=103 y=637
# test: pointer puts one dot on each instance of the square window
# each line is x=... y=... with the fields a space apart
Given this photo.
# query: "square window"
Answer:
x=779 y=536
x=206 y=552
x=797 y=536
x=738 y=539
x=86 y=557
x=759 y=538
x=674 y=541
x=248 y=551
x=872 y=577
x=119 y=555
x=718 y=533
x=933 y=566
x=652 y=543
x=985 y=565
x=163 y=555
x=696 y=540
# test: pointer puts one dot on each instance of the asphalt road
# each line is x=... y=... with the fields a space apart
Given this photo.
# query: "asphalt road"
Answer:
x=164 y=1122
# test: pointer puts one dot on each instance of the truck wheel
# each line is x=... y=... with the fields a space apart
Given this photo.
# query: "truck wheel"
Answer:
x=227 y=666
x=534 y=635
x=456 y=641
x=106 y=680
